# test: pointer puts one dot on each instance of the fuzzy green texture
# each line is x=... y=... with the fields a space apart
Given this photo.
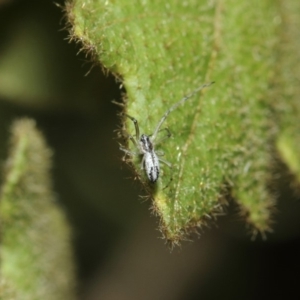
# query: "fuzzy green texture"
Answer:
x=36 y=256
x=288 y=88
x=221 y=136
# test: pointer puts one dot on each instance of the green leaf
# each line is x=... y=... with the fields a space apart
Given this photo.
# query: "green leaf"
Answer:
x=287 y=89
x=221 y=136
x=36 y=256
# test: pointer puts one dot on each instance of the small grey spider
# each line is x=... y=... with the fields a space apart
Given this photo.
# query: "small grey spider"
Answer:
x=145 y=144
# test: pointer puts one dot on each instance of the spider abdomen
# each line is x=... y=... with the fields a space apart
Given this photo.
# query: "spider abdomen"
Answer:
x=151 y=165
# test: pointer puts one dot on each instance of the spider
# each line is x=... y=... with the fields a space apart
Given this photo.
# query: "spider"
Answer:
x=145 y=144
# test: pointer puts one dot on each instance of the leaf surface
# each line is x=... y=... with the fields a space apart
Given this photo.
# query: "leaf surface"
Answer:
x=221 y=136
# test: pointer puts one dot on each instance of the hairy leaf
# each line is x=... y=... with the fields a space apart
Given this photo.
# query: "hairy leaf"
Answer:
x=221 y=136
x=36 y=257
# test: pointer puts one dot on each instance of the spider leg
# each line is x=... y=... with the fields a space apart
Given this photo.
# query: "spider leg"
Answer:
x=174 y=106
x=160 y=153
x=165 y=162
x=133 y=140
x=170 y=166
x=130 y=153
x=167 y=136
x=171 y=179
x=136 y=126
x=130 y=137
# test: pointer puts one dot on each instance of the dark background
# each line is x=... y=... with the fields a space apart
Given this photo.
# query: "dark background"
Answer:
x=118 y=250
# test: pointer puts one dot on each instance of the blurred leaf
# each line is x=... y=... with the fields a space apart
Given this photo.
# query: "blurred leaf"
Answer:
x=221 y=137
x=36 y=256
x=287 y=87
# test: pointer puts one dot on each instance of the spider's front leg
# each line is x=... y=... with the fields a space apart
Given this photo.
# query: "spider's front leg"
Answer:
x=136 y=126
x=135 y=140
